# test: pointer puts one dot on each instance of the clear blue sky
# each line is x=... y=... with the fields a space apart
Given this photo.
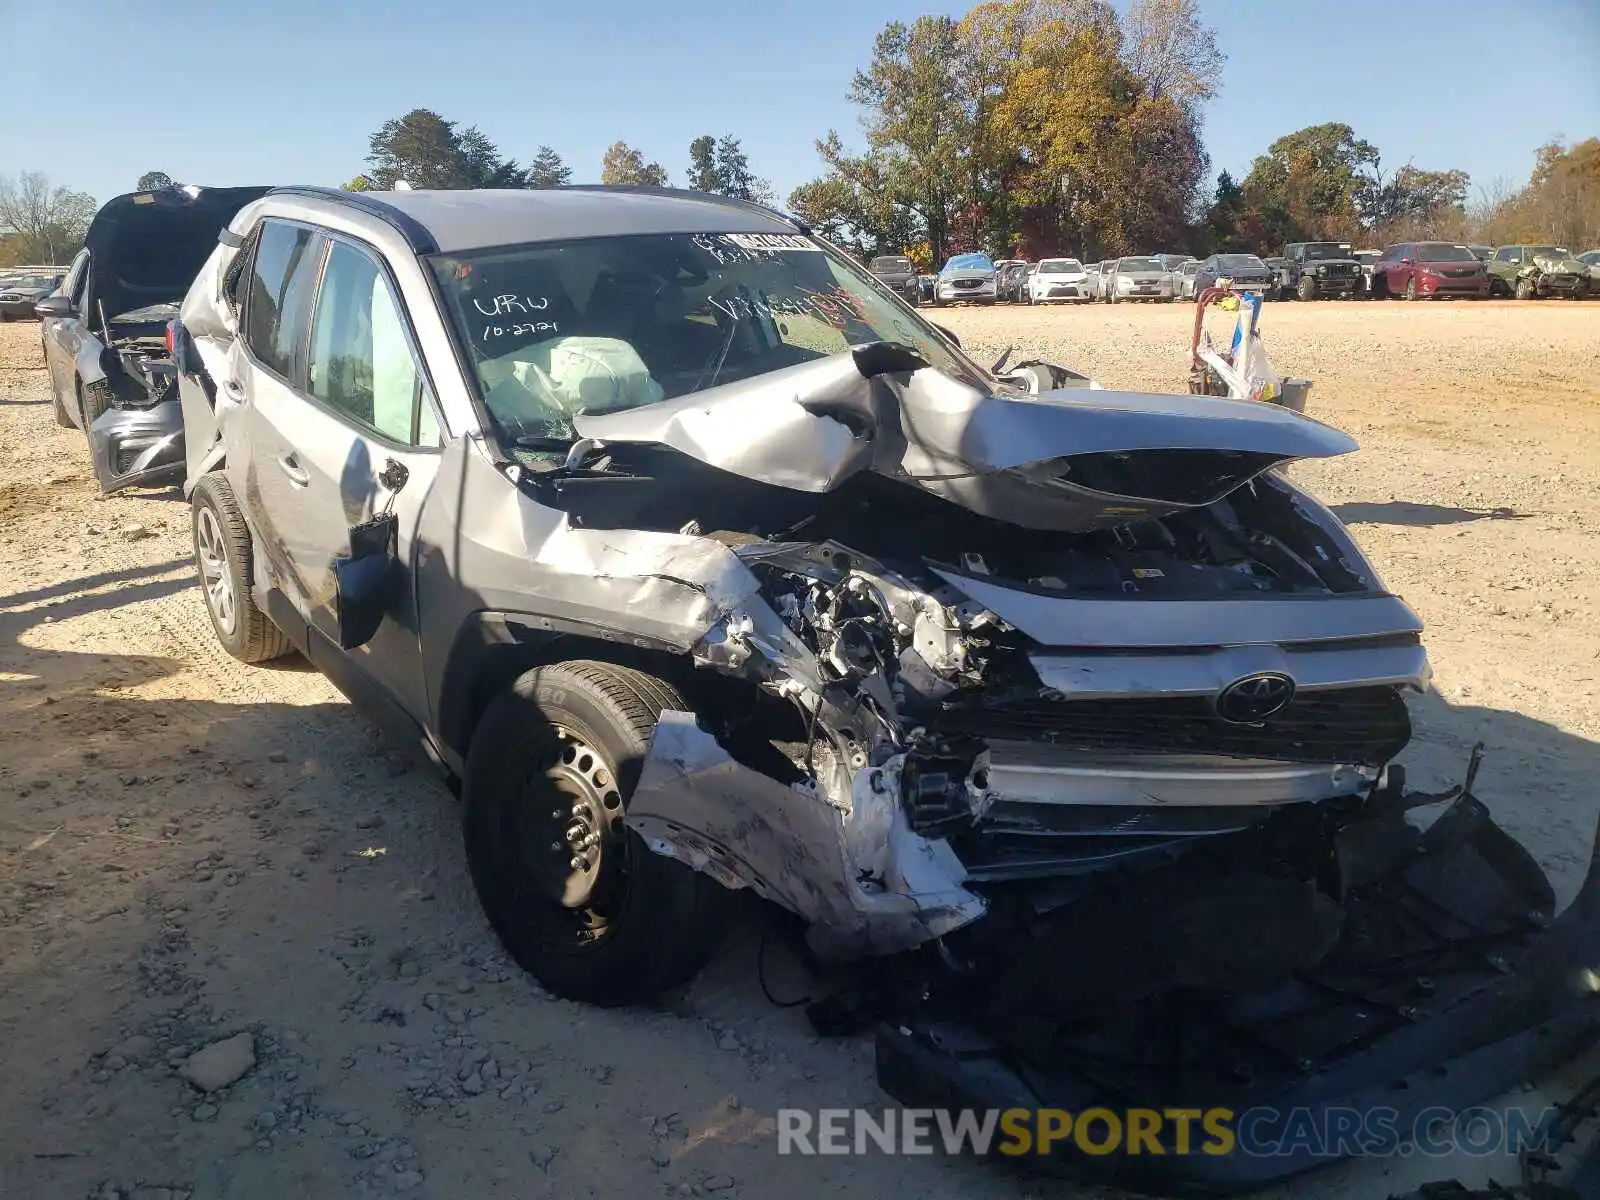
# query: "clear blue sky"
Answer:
x=289 y=90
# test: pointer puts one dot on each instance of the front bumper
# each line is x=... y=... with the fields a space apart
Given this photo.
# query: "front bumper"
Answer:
x=134 y=447
x=1160 y=291
x=1444 y=286
x=12 y=309
x=1062 y=291
x=1563 y=285
x=951 y=293
x=1482 y=1009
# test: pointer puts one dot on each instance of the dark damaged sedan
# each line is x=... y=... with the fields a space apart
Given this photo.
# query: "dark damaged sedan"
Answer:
x=105 y=328
x=701 y=563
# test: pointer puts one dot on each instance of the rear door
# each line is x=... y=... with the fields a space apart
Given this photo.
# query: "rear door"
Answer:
x=358 y=399
x=62 y=337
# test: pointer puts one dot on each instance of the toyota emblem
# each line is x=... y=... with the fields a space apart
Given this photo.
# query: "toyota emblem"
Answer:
x=1255 y=697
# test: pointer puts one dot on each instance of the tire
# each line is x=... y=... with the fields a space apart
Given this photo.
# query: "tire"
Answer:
x=1307 y=289
x=656 y=921
x=1525 y=289
x=94 y=399
x=222 y=557
x=1411 y=288
x=1380 y=288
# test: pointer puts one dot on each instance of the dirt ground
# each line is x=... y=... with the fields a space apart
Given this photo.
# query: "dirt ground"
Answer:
x=190 y=848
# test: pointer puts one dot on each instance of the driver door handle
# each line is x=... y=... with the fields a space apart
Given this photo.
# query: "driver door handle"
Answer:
x=234 y=388
x=293 y=470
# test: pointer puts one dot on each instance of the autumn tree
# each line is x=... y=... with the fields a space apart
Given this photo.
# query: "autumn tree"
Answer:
x=152 y=181
x=1309 y=185
x=623 y=165
x=548 y=170
x=47 y=222
x=1413 y=203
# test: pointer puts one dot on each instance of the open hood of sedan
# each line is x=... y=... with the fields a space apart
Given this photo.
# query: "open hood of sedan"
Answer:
x=146 y=247
x=1064 y=460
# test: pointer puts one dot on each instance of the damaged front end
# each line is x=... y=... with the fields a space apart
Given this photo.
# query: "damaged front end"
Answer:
x=1073 y=694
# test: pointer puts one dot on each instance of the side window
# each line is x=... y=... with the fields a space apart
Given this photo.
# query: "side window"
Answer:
x=282 y=278
x=1503 y=254
x=361 y=362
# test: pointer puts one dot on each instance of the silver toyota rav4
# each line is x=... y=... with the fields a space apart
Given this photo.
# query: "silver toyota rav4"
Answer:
x=701 y=561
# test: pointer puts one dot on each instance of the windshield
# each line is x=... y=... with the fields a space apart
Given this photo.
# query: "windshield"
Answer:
x=556 y=329
x=1443 y=252
x=1548 y=251
x=1326 y=250
x=1138 y=264
x=969 y=262
x=894 y=266
x=1240 y=262
x=1060 y=266
x=31 y=281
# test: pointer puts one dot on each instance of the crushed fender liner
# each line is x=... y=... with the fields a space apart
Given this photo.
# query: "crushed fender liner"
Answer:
x=695 y=803
x=1427 y=969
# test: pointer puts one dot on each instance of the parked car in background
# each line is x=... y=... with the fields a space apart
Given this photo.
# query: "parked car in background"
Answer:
x=1423 y=270
x=1183 y=284
x=1481 y=253
x=1368 y=259
x=1058 y=279
x=1537 y=272
x=1281 y=269
x=896 y=271
x=925 y=288
x=1592 y=259
x=969 y=277
x=1319 y=271
x=1172 y=262
x=1012 y=280
x=19 y=293
x=105 y=328
x=1138 y=277
x=1247 y=272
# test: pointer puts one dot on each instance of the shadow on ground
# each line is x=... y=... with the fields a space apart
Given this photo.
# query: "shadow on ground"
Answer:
x=1404 y=512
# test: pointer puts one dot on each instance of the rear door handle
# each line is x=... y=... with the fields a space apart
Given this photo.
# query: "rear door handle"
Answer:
x=293 y=470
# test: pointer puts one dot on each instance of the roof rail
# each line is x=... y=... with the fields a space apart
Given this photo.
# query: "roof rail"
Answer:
x=416 y=234
x=683 y=194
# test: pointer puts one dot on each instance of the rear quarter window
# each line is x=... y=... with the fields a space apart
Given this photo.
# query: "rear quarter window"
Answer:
x=281 y=282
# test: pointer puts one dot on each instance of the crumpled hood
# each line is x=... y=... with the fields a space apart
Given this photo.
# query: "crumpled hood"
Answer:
x=1559 y=264
x=1069 y=459
x=147 y=247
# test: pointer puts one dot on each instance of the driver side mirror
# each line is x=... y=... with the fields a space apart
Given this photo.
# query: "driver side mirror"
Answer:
x=1408 y=261
x=54 y=306
x=946 y=332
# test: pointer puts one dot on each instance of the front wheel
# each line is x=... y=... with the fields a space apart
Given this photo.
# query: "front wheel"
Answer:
x=1525 y=289
x=1411 y=288
x=1307 y=289
x=576 y=896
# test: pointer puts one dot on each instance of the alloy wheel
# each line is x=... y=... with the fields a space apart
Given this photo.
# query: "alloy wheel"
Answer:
x=215 y=577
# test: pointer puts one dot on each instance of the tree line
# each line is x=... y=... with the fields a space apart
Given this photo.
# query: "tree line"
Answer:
x=1036 y=127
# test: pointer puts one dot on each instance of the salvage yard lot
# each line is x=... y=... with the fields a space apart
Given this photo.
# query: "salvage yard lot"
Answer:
x=192 y=848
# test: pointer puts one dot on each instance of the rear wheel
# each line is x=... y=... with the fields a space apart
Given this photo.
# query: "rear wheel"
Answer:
x=576 y=896
x=222 y=558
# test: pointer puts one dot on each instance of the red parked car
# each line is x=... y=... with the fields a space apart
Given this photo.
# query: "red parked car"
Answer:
x=1420 y=270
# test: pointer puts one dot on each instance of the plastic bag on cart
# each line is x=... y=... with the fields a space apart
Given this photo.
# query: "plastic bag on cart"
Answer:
x=1261 y=380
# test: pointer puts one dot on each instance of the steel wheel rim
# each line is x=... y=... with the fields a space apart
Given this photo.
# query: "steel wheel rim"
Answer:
x=215 y=578
x=578 y=857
